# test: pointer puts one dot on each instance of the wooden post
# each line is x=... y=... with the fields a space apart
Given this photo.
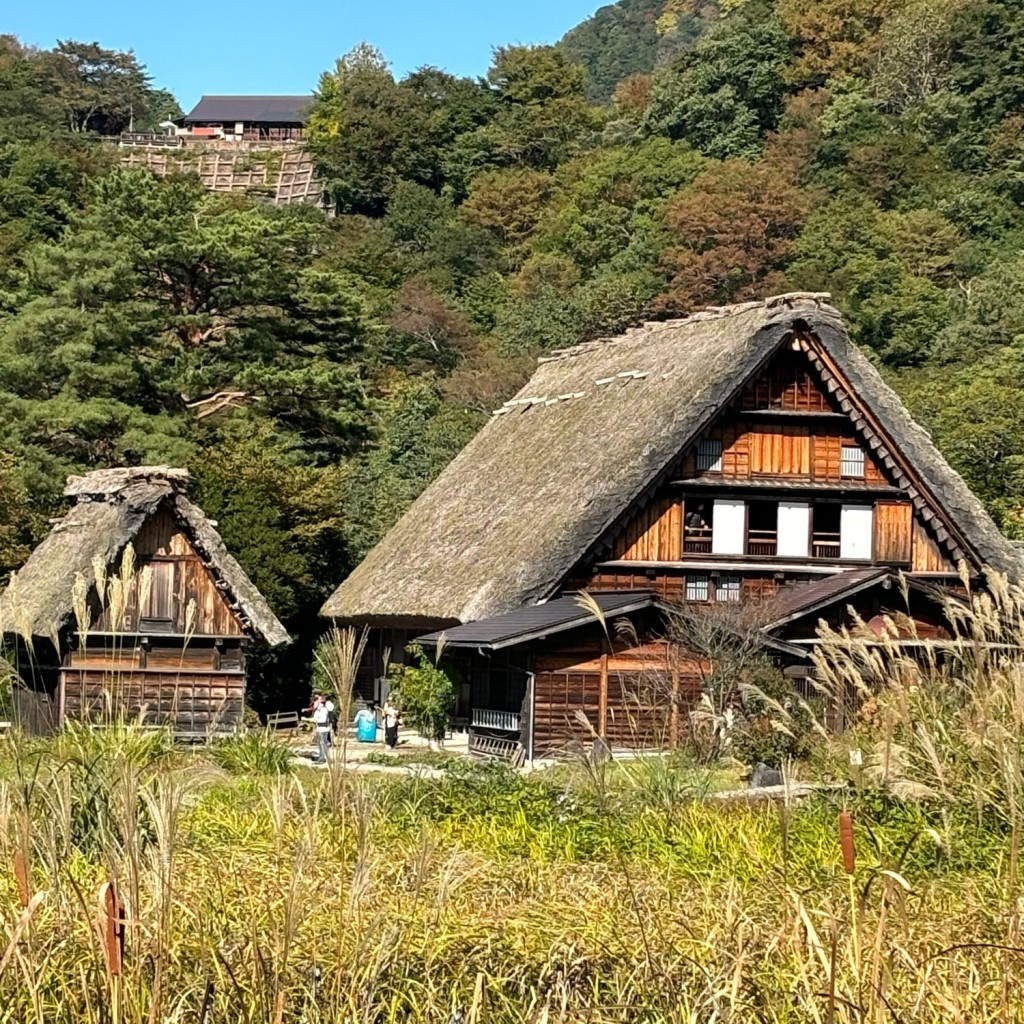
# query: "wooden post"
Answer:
x=673 y=720
x=112 y=928
x=602 y=699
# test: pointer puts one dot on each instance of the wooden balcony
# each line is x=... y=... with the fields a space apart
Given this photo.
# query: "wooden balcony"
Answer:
x=825 y=545
x=697 y=541
x=762 y=543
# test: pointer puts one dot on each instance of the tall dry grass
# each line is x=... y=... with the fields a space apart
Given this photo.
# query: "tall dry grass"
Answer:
x=614 y=893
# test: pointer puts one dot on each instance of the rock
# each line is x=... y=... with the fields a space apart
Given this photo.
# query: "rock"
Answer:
x=763 y=776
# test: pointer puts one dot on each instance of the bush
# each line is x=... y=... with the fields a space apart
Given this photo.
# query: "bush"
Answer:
x=425 y=695
x=252 y=753
x=772 y=723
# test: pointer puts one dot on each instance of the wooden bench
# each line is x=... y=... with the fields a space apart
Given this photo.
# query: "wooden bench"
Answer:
x=495 y=748
x=283 y=721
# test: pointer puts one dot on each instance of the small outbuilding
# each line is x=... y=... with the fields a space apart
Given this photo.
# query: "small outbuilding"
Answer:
x=248 y=118
x=133 y=607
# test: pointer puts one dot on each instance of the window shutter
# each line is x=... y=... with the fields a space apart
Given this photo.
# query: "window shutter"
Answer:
x=856 y=531
x=794 y=529
x=727 y=527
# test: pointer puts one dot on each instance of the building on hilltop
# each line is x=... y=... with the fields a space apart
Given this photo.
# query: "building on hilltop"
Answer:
x=161 y=633
x=247 y=118
x=748 y=454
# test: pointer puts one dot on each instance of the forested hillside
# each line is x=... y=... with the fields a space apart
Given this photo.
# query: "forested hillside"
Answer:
x=315 y=373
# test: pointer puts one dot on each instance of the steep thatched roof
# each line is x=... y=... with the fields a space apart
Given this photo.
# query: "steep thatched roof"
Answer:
x=111 y=506
x=596 y=426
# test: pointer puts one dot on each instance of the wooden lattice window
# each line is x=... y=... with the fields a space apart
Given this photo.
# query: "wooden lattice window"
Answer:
x=709 y=455
x=851 y=461
x=728 y=588
x=697 y=587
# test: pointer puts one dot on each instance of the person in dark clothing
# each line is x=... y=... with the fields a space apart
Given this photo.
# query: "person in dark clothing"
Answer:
x=390 y=713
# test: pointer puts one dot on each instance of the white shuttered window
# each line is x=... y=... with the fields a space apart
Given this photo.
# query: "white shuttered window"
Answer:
x=727 y=527
x=855 y=531
x=794 y=529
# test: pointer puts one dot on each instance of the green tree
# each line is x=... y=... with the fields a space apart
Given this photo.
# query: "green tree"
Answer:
x=164 y=308
x=619 y=40
x=722 y=95
x=544 y=115
x=98 y=90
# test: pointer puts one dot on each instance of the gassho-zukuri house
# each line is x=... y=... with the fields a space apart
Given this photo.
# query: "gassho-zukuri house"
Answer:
x=160 y=639
x=746 y=453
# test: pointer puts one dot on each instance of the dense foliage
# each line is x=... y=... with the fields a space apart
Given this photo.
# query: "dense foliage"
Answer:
x=316 y=372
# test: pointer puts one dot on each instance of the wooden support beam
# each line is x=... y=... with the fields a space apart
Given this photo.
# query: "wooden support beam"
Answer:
x=673 y=721
x=602 y=699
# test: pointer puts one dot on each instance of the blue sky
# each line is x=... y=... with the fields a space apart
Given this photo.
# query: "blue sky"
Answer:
x=262 y=46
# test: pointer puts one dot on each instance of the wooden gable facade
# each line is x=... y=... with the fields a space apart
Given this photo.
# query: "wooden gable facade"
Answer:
x=133 y=609
x=173 y=652
x=782 y=487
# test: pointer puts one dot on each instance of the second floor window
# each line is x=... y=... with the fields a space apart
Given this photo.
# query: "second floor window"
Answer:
x=851 y=461
x=709 y=455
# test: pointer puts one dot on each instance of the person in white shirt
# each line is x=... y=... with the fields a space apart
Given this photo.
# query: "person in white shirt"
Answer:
x=321 y=709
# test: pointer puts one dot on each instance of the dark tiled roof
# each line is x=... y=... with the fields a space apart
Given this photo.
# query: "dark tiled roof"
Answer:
x=276 y=109
x=538 y=620
x=796 y=601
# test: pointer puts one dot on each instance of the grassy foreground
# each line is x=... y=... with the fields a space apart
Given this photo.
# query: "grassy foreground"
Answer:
x=622 y=892
x=615 y=894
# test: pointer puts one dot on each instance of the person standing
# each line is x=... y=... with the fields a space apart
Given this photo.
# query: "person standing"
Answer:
x=390 y=724
x=321 y=710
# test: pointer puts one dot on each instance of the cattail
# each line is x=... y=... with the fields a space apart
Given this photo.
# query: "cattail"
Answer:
x=846 y=841
x=112 y=923
x=21 y=875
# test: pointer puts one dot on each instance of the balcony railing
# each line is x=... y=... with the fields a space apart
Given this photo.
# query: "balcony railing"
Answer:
x=484 y=718
x=762 y=542
x=825 y=545
x=697 y=541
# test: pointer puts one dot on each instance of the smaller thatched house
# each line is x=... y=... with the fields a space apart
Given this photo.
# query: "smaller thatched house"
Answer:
x=133 y=606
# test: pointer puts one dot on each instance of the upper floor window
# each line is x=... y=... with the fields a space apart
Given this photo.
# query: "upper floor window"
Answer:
x=697 y=587
x=851 y=461
x=728 y=588
x=709 y=455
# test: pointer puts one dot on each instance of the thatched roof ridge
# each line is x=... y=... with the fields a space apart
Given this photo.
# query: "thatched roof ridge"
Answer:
x=596 y=426
x=110 y=509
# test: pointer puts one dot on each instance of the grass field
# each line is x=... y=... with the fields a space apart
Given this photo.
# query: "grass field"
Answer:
x=256 y=893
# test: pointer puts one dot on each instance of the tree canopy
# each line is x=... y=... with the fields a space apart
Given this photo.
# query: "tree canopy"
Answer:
x=317 y=371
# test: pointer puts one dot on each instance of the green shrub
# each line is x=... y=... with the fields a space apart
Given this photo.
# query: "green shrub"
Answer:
x=252 y=753
x=425 y=694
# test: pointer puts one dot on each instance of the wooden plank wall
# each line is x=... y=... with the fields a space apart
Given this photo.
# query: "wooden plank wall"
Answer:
x=893 y=530
x=655 y=535
x=789 y=382
x=809 y=452
x=177 y=577
x=926 y=555
x=669 y=585
x=192 y=702
x=628 y=699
